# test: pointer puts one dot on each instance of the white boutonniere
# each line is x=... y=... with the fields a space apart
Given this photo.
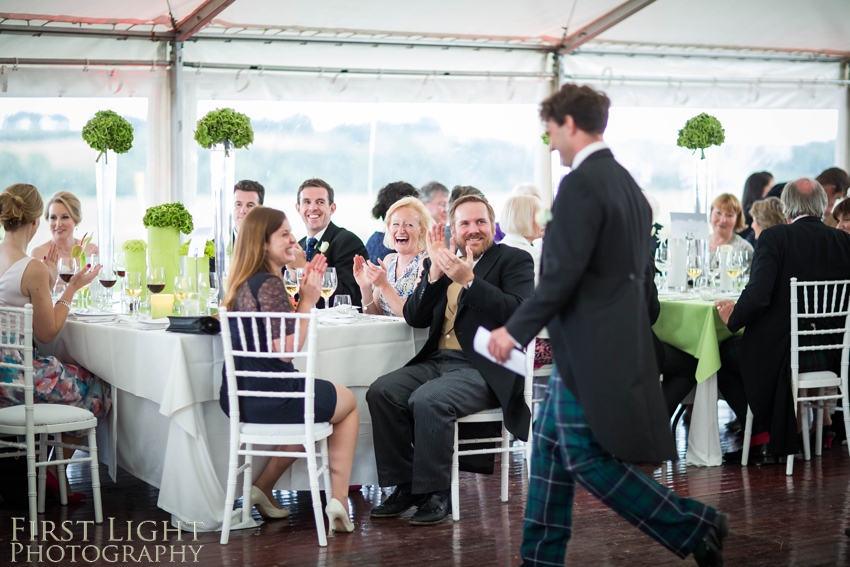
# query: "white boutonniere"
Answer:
x=323 y=247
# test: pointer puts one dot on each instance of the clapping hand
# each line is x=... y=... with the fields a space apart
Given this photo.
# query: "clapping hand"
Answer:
x=51 y=261
x=300 y=258
x=310 y=286
x=435 y=239
x=377 y=275
x=457 y=268
x=360 y=271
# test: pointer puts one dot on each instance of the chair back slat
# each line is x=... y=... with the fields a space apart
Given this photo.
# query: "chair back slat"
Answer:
x=260 y=329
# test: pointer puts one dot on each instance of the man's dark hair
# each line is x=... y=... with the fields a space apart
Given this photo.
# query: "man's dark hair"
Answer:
x=589 y=108
x=389 y=194
x=431 y=190
x=459 y=191
x=470 y=197
x=835 y=176
x=251 y=187
x=316 y=182
x=754 y=188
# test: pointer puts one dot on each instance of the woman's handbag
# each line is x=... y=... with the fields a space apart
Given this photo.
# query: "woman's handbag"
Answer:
x=204 y=325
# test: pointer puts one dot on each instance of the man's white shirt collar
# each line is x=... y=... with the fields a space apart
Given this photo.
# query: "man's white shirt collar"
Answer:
x=319 y=235
x=586 y=151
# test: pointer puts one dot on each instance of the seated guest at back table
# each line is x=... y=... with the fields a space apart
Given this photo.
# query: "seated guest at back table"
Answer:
x=414 y=409
x=835 y=183
x=24 y=280
x=386 y=287
x=247 y=194
x=520 y=189
x=435 y=196
x=765 y=214
x=726 y=217
x=519 y=222
x=63 y=213
x=755 y=189
x=264 y=245
x=841 y=215
x=756 y=369
x=315 y=204
x=388 y=195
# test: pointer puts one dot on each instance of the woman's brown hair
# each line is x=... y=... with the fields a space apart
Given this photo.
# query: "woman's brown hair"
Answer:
x=20 y=204
x=729 y=203
x=249 y=251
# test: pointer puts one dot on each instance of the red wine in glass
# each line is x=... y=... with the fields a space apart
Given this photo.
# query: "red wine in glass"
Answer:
x=155 y=287
x=120 y=273
x=66 y=277
x=108 y=283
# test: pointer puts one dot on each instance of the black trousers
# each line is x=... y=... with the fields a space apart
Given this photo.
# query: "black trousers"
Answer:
x=729 y=379
x=414 y=410
x=679 y=370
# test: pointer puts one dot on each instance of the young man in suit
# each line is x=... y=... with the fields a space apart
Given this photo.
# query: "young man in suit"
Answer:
x=603 y=409
x=414 y=409
x=315 y=204
x=247 y=194
x=756 y=368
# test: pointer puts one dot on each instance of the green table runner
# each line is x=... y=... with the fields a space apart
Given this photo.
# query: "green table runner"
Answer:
x=695 y=327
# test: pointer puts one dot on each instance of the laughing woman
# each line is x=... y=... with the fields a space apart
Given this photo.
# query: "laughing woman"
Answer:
x=386 y=287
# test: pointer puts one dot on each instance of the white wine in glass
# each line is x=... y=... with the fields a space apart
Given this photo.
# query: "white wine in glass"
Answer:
x=329 y=283
x=694 y=273
x=733 y=273
x=290 y=280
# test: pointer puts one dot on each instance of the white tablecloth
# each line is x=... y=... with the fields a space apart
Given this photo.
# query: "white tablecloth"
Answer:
x=168 y=428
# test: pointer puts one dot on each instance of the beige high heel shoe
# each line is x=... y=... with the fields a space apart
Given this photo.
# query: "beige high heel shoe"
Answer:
x=335 y=512
x=265 y=507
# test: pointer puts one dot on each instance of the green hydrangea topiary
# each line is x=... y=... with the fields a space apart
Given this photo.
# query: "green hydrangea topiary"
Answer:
x=224 y=124
x=700 y=132
x=135 y=246
x=169 y=214
x=108 y=131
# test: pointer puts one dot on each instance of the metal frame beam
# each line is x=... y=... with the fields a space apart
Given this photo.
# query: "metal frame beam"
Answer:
x=176 y=87
x=200 y=18
x=14 y=61
x=68 y=31
x=602 y=24
x=364 y=71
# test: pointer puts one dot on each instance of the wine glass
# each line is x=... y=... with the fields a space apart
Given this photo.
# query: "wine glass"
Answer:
x=329 y=283
x=133 y=287
x=291 y=279
x=119 y=264
x=156 y=279
x=714 y=267
x=734 y=265
x=182 y=289
x=67 y=267
x=662 y=261
x=108 y=278
x=694 y=267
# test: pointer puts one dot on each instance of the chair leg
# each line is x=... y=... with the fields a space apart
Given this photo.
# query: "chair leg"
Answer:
x=821 y=407
x=95 y=477
x=748 y=435
x=247 y=482
x=789 y=466
x=506 y=461
x=230 y=494
x=677 y=417
x=323 y=449
x=313 y=474
x=32 y=486
x=455 y=480
x=60 y=471
x=803 y=412
x=42 y=471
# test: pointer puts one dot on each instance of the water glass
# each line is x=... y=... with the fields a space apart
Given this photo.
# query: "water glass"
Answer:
x=342 y=304
x=182 y=289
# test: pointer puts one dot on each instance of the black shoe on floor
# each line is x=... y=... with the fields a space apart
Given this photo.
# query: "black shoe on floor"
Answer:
x=757 y=452
x=709 y=553
x=399 y=502
x=433 y=511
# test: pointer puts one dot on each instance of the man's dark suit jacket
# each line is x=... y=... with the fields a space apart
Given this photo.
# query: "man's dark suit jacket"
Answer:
x=810 y=251
x=504 y=277
x=592 y=297
x=342 y=246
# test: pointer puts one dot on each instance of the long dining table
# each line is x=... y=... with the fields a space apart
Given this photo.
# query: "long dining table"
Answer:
x=167 y=427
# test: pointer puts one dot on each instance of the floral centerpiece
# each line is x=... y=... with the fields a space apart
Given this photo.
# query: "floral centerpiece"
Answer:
x=203 y=262
x=109 y=134
x=222 y=131
x=165 y=223
x=701 y=132
x=135 y=252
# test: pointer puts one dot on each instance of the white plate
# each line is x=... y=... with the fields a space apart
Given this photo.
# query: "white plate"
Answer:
x=337 y=320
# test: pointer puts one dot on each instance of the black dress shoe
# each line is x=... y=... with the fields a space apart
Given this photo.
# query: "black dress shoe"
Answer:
x=757 y=452
x=709 y=553
x=399 y=502
x=432 y=512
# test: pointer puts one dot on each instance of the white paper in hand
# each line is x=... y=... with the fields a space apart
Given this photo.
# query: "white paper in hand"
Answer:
x=516 y=363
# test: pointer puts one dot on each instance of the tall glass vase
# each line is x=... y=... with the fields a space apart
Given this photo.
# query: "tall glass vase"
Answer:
x=702 y=182
x=106 y=172
x=223 y=178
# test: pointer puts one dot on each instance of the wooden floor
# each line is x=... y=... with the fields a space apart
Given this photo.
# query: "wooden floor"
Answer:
x=776 y=521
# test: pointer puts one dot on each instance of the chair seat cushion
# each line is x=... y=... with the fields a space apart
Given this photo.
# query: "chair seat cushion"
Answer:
x=320 y=430
x=812 y=376
x=45 y=415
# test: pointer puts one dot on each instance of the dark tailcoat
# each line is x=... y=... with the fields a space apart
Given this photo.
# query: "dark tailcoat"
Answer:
x=504 y=277
x=592 y=297
x=810 y=251
x=342 y=246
